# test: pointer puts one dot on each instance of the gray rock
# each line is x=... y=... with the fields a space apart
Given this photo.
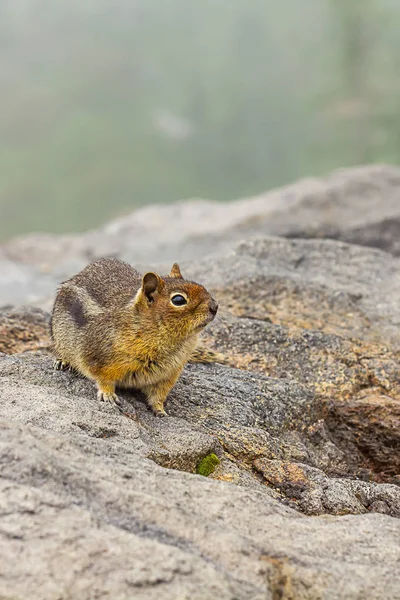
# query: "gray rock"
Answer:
x=81 y=519
x=360 y=205
x=23 y=329
x=304 y=416
x=83 y=494
x=316 y=284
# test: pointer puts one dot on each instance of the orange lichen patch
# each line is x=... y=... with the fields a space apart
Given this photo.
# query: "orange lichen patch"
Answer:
x=248 y=444
x=225 y=477
x=22 y=331
x=280 y=473
x=288 y=581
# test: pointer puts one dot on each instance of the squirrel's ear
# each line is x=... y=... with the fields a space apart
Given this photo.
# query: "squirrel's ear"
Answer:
x=175 y=271
x=150 y=283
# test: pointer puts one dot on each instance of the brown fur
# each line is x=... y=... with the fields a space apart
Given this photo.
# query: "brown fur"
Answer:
x=121 y=329
x=204 y=355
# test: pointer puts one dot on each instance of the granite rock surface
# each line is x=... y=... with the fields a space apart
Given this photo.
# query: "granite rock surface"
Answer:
x=304 y=414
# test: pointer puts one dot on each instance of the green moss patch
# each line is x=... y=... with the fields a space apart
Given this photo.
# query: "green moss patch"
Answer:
x=207 y=465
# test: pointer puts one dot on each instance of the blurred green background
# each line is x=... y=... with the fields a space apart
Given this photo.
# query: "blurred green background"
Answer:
x=109 y=105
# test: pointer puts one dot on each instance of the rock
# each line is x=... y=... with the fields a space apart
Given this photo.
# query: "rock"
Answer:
x=92 y=473
x=57 y=401
x=303 y=417
x=358 y=205
x=315 y=493
x=357 y=384
x=370 y=421
x=23 y=329
x=309 y=284
x=383 y=234
x=82 y=518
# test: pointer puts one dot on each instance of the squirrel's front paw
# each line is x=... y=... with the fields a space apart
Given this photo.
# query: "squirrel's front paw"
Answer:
x=60 y=365
x=108 y=397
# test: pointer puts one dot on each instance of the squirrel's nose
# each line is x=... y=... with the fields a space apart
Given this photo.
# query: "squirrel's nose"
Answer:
x=213 y=306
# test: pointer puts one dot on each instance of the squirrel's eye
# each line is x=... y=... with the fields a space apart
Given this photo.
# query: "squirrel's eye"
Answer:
x=178 y=300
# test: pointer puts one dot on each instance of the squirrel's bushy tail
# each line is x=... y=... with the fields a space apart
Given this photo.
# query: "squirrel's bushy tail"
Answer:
x=204 y=355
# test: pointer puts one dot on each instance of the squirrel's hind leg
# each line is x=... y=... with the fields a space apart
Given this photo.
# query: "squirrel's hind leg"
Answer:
x=157 y=405
x=156 y=396
x=157 y=393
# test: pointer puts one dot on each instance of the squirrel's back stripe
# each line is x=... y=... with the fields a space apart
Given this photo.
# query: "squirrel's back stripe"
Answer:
x=77 y=312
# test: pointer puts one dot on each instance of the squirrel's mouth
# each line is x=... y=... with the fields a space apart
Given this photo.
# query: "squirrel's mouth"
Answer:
x=207 y=320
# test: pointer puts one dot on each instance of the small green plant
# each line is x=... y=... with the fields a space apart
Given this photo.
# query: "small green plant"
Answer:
x=207 y=465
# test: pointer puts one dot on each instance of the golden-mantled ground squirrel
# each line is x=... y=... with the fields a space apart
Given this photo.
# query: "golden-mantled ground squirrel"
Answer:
x=121 y=329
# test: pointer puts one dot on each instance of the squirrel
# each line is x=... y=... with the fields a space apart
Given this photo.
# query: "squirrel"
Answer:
x=122 y=329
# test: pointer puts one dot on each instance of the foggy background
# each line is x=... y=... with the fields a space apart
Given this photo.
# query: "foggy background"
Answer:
x=106 y=105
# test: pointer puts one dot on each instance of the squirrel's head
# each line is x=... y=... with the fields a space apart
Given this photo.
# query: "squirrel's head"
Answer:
x=180 y=307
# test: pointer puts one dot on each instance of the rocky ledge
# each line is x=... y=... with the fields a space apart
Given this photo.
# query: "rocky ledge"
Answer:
x=304 y=415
